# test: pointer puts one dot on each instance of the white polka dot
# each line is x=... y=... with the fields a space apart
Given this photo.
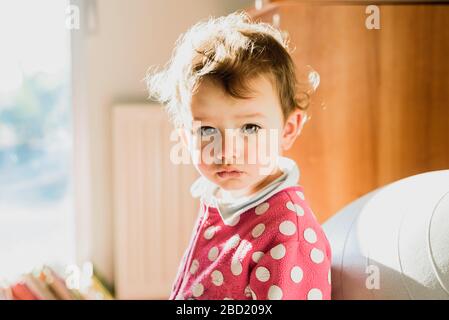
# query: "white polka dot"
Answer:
x=257 y=255
x=197 y=290
x=287 y=228
x=315 y=294
x=258 y=230
x=296 y=274
x=213 y=253
x=233 y=241
x=232 y=221
x=274 y=293
x=299 y=210
x=262 y=274
x=262 y=208
x=242 y=250
x=217 y=278
x=247 y=291
x=317 y=255
x=300 y=195
x=236 y=267
x=310 y=235
x=295 y=208
x=194 y=266
x=329 y=277
x=278 y=252
x=210 y=232
x=226 y=298
x=290 y=206
x=253 y=294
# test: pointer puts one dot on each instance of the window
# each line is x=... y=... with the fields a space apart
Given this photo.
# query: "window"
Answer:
x=36 y=216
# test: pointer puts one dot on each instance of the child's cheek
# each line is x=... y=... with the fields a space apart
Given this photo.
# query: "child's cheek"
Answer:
x=203 y=168
x=251 y=150
x=199 y=151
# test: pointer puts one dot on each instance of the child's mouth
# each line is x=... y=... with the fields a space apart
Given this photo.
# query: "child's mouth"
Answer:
x=229 y=174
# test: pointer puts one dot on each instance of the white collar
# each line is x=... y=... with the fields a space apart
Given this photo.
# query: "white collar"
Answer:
x=231 y=208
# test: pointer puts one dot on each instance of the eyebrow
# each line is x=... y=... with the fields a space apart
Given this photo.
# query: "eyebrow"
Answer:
x=249 y=115
x=200 y=118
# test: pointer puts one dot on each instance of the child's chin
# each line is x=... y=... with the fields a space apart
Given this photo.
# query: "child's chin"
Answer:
x=232 y=185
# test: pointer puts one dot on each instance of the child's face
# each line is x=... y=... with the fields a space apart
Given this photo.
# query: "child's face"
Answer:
x=235 y=143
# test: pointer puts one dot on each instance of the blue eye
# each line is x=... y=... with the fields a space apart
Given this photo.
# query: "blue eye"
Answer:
x=207 y=131
x=250 y=128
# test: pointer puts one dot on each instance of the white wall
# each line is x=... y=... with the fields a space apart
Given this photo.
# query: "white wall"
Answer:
x=108 y=68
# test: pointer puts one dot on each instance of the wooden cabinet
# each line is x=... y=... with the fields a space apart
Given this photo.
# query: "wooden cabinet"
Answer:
x=381 y=112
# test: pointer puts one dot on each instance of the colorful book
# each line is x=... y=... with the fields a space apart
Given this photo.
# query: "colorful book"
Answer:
x=56 y=284
x=20 y=291
x=6 y=293
x=38 y=287
x=46 y=284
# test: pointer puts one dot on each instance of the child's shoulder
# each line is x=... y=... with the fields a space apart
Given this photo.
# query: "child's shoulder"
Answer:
x=291 y=202
x=286 y=215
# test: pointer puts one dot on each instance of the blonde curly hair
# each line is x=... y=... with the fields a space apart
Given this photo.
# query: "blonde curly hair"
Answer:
x=229 y=50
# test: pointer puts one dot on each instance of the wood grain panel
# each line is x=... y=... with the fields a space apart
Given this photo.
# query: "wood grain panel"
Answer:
x=381 y=112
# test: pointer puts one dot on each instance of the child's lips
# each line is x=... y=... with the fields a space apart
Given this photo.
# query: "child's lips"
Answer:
x=229 y=174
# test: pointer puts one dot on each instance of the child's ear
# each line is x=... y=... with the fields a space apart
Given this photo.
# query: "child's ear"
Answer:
x=292 y=128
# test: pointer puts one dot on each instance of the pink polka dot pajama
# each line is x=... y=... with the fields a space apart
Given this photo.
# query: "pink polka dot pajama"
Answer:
x=275 y=250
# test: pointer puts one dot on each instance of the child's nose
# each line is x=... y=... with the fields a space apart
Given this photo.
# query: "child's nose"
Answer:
x=231 y=146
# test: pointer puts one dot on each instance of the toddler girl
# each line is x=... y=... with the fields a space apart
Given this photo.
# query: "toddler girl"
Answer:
x=231 y=89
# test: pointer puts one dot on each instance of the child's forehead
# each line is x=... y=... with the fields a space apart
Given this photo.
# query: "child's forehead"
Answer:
x=211 y=100
x=257 y=84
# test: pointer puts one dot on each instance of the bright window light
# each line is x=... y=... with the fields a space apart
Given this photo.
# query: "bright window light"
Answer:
x=36 y=215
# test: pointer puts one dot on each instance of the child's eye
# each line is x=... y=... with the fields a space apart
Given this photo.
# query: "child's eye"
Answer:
x=250 y=128
x=206 y=131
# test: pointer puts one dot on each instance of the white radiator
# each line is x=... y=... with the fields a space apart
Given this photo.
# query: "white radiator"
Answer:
x=154 y=212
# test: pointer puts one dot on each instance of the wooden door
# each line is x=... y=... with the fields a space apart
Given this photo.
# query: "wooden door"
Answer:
x=381 y=112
